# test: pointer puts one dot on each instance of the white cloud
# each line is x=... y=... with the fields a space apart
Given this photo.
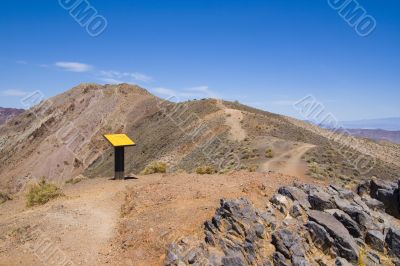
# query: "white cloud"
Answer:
x=74 y=66
x=14 y=93
x=112 y=81
x=185 y=94
x=141 y=77
x=122 y=77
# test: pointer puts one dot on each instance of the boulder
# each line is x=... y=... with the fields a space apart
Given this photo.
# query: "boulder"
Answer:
x=373 y=204
x=279 y=259
x=345 y=244
x=288 y=243
x=280 y=201
x=376 y=240
x=393 y=242
x=320 y=237
x=342 y=262
x=233 y=261
x=363 y=188
x=320 y=200
x=295 y=194
x=377 y=184
x=343 y=193
x=296 y=210
x=346 y=220
x=372 y=259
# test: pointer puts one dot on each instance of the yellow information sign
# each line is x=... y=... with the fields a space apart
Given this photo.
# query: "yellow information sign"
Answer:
x=119 y=140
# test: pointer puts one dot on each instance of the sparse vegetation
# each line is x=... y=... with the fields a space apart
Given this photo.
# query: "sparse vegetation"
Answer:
x=4 y=197
x=41 y=193
x=154 y=168
x=208 y=169
x=269 y=153
x=252 y=168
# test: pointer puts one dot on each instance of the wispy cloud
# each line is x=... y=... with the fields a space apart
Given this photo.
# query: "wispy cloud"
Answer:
x=188 y=93
x=112 y=76
x=14 y=93
x=74 y=66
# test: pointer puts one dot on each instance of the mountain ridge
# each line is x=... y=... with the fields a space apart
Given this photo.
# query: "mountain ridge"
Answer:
x=62 y=138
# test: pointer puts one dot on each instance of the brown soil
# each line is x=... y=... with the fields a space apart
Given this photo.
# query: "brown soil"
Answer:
x=128 y=222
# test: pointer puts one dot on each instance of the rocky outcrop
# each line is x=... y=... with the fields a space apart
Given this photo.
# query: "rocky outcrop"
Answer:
x=298 y=224
x=343 y=242
x=385 y=192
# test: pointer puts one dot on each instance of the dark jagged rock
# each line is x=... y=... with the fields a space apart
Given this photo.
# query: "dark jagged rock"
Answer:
x=344 y=243
x=320 y=200
x=346 y=220
x=342 y=262
x=373 y=204
x=289 y=244
x=393 y=242
x=320 y=237
x=387 y=193
x=280 y=201
x=373 y=259
x=233 y=261
x=376 y=240
x=296 y=210
x=343 y=193
x=280 y=260
x=240 y=234
x=296 y=194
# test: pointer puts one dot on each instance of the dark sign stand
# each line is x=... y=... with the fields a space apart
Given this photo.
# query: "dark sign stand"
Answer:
x=119 y=141
x=119 y=164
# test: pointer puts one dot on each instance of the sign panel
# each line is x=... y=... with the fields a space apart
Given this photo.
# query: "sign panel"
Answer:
x=119 y=140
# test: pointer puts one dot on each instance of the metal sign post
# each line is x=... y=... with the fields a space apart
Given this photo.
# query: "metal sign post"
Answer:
x=119 y=142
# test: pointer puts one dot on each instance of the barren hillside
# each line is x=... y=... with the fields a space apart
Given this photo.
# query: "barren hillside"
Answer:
x=62 y=138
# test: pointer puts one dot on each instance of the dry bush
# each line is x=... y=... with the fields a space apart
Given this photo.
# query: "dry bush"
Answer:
x=155 y=167
x=252 y=168
x=41 y=193
x=208 y=169
x=269 y=153
x=4 y=197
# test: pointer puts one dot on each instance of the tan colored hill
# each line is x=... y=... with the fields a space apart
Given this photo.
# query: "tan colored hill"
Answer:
x=62 y=138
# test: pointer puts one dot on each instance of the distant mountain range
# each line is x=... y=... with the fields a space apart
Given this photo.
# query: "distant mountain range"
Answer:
x=7 y=113
x=391 y=124
x=375 y=129
x=377 y=134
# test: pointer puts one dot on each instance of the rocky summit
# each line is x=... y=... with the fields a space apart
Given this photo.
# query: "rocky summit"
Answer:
x=301 y=225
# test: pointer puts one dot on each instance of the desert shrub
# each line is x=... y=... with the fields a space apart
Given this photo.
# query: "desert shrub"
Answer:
x=4 y=197
x=208 y=169
x=155 y=167
x=269 y=153
x=252 y=168
x=41 y=193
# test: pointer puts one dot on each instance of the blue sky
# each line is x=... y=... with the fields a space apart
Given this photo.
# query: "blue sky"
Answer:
x=267 y=54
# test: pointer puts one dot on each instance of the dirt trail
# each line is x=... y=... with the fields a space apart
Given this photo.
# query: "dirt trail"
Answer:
x=289 y=162
x=233 y=118
x=78 y=227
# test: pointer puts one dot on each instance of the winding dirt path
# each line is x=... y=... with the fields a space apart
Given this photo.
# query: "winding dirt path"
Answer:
x=289 y=162
x=67 y=229
x=233 y=118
